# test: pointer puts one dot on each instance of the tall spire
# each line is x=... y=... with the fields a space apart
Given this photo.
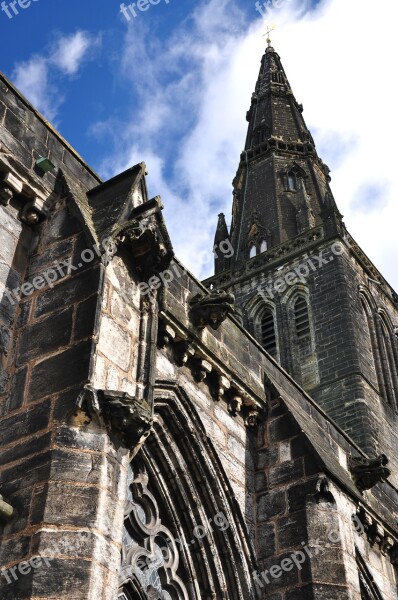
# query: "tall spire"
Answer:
x=281 y=184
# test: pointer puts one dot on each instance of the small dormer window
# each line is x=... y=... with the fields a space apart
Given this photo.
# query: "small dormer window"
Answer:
x=264 y=246
x=252 y=251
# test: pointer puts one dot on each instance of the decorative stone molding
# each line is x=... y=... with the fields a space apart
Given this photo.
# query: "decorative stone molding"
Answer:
x=202 y=370
x=146 y=235
x=15 y=180
x=376 y=534
x=235 y=405
x=6 y=193
x=367 y=472
x=6 y=510
x=211 y=309
x=166 y=335
x=252 y=418
x=129 y=418
x=183 y=351
x=125 y=417
x=150 y=555
x=323 y=492
x=223 y=385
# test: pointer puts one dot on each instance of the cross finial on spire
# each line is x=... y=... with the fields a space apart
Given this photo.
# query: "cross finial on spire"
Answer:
x=269 y=28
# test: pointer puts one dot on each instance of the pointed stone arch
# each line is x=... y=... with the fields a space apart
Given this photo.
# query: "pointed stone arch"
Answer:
x=193 y=504
x=256 y=309
x=369 y=589
x=303 y=359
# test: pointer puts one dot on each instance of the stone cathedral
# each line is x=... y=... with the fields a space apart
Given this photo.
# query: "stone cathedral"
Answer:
x=169 y=439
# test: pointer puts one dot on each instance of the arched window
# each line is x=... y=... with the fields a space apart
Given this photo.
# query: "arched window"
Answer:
x=252 y=251
x=294 y=177
x=264 y=246
x=388 y=363
x=375 y=350
x=384 y=351
x=304 y=362
x=268 y=335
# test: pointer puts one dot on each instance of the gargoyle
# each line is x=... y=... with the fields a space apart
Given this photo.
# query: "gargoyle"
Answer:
x=211 y=309
x=367 y=472
x=126 y=416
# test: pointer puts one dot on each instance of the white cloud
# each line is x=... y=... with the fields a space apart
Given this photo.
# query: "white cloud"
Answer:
x=71 y=50
x=37 y=77
x=340 y=66
x=31 y=77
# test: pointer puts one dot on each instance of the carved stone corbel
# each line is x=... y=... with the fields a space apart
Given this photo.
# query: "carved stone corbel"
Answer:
x=223 y=385
x=376 y=534
x=183 y=352
x=6 y=193
x=386 y=545
x=166 y=335
x=367 y=472
x=32 y=212
x=203 y=368
x=211 y=309
x=235 y=405
x=146 y=235
x=323 y=492
x=125 y=417
x=252 y=418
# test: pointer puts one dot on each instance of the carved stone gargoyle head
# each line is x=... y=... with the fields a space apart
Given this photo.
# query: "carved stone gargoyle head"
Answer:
x=126 y=417
x=211 y=309
x=367 y=472
x=146 y=235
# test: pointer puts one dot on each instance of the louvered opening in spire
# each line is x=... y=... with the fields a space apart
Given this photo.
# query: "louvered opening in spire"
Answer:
x=302 y=320
x=268 y=335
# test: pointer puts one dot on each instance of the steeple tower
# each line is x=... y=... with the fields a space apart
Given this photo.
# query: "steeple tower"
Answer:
x=281 y=183
x=305 y=289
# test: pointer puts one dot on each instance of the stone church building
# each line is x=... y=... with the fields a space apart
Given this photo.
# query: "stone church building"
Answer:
x=166 y=438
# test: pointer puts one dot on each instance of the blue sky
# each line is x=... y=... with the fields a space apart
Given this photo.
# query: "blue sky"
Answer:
x=172 y=87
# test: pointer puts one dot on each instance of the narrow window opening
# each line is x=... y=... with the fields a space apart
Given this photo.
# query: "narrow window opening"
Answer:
x=252 y=252
x=264 y=246
x=302 y=319
x=268 y=335
x=292 y=182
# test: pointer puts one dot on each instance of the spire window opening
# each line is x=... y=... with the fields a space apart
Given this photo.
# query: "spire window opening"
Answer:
x=388 y=364
x=252 y=251
x=263 y=246
x=268 y=335
x=292 y=182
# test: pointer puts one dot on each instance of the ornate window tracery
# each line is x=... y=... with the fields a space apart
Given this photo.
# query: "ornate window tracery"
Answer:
x=150 y=556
